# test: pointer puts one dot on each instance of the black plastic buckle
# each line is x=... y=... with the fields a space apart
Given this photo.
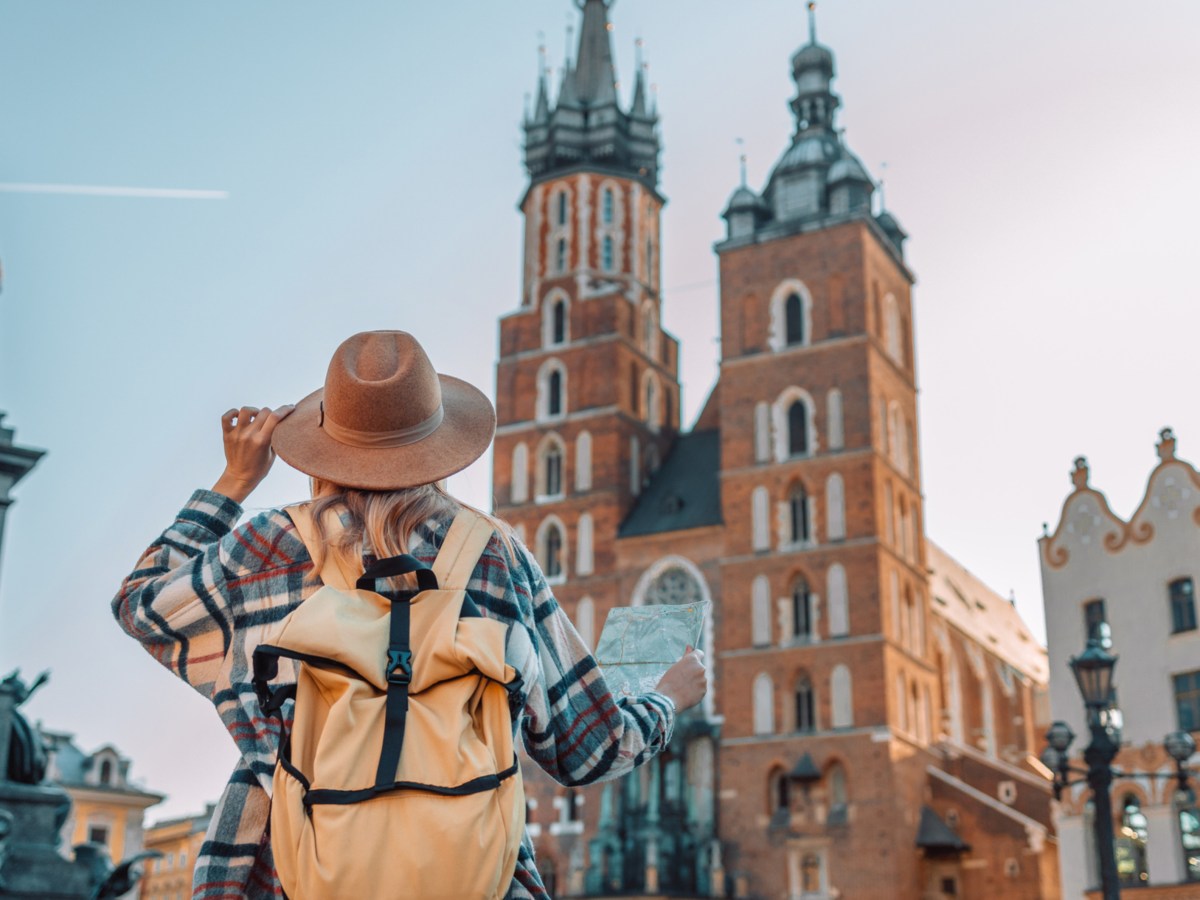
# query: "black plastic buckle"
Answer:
x=399 y=669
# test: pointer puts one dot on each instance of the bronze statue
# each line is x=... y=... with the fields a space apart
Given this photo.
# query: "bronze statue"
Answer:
x=27 y=760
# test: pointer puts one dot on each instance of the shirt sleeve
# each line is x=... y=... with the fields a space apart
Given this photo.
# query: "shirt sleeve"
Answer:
x=187 y=593
x=573 y=727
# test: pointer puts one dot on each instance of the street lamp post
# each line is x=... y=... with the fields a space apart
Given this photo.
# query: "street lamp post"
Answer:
x=1093 y=670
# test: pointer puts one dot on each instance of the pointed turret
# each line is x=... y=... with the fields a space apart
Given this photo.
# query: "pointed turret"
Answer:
x=595 y=75
x=585 y=126
x=817 y=178
x=639 y=108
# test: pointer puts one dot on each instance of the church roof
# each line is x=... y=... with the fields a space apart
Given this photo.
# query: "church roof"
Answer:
x=975 y=609
x=684 y=493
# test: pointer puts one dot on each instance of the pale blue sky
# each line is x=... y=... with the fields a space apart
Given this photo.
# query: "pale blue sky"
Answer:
x=1041 y=155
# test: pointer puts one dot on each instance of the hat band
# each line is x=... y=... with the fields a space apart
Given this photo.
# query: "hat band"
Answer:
x=375 y=439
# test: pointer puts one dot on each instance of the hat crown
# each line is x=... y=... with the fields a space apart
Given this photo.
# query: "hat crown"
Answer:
x=379 y=382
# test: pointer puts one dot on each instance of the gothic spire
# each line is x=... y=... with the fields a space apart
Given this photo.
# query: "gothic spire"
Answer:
x=595 y=77
x=639 y=107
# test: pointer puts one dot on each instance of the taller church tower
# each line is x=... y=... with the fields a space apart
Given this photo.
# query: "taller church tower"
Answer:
x=821 y=495
x=587 y=381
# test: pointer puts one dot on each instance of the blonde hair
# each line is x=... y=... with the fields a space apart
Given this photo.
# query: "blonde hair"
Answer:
x=384 y=520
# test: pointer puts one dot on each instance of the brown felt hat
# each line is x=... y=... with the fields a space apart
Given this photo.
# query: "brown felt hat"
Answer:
x=385 y=419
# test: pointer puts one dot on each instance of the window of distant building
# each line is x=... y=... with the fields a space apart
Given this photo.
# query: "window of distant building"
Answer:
x=1187 y=700
x=551 y=390
x=1189 y=836
x=802 y=611
x=778 y=790
x=1093 y=615
x=607 y=207
x=106 y=772
x=1183 y=605
x=552 y=549
x=607 y=261
x=797 y=429
x=810 y=874
x=806 y=708
x=1130 y=846
x=798 y=518
x=550 y=468
x=560 y=256
x=98 y=834
x=793 y=310
x=562 y=208
x=763 y=704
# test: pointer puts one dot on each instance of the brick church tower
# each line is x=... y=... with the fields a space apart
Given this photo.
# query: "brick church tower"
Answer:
x=871 y=711
x=820 y=490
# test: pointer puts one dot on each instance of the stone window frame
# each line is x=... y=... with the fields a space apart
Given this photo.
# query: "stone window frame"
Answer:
x=777 y=313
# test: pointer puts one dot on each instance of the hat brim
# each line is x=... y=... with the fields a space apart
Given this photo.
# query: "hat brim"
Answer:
x=465 y=433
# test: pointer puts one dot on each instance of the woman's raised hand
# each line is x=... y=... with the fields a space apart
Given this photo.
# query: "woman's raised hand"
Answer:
x=248 y=454
x=685 y=682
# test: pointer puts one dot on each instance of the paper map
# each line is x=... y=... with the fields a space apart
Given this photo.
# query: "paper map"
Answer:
x=639 y=643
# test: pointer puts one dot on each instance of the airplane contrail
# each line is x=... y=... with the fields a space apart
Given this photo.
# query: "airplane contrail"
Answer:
x=93 y=190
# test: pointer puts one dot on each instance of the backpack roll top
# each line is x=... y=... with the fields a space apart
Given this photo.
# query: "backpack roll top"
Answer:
x=398 y=777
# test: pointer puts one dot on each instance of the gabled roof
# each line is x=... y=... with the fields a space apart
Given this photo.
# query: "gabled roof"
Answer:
x=684 y=493
x=979 y=612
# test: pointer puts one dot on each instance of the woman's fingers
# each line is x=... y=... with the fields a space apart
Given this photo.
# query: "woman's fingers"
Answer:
x=227 y=420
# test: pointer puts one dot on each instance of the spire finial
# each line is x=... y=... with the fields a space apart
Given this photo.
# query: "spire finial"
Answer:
x=742 y=158
x=812 y=21
x=882 y=180
x=570 y=41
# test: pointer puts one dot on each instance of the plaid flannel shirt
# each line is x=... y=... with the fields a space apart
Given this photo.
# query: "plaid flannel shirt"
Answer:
x=205 y=594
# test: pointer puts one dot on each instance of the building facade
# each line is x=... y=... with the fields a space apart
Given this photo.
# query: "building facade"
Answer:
x=106 y=807
x=169 y=877
x=1138 y=576
x=872 y=705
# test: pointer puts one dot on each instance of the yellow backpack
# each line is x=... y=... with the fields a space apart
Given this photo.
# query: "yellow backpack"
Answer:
x=398 y=777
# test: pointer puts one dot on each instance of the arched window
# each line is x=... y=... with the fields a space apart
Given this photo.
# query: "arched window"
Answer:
x=903 y=538
x=889 y=514
x=837 y=601
x=583 y=461
x=607 y=206
x=798 y=519
x=838 y=795
x=635 y=465
x=914 y=712
x=901 y=703
x=649 y=259
x=779 y=790
x=106 y=771
x=585 y=621
x=759 y=519
x=797 y=422
x=520 y=473
x=834 y=426
x=841 y=696
x=764 y=704
x=790 y=310
x=560 y=256
x=583 y=551
x=806 y=709
x=552 y=548
x=760 y=611
x=651 y=407
x=550 y=468
x=634 y=384
x=1130 y=845
x=835 y=508
x=802 y=610
x=607 y=260
x=554 y=403
x=558 y=322
x=562 y=208
x=793 y=311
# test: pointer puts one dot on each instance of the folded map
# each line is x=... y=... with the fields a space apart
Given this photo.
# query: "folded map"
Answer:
x=639 y=643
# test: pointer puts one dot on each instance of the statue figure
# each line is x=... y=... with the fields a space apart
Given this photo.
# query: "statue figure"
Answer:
x=26 y=763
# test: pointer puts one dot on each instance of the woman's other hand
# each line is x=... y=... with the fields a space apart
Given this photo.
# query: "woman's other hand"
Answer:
x=685 y=682
x=248 y=454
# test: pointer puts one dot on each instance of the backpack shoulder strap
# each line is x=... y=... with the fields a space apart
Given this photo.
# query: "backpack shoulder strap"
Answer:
x=465 y=542
x=336 y=572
